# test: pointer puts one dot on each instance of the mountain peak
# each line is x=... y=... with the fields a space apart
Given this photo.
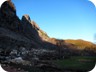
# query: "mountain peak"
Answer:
x=8 y=9
x=26 y=17
x=8 y=5
x=8 y=17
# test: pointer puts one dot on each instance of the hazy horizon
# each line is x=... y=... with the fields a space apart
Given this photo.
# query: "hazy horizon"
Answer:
x=62 y=19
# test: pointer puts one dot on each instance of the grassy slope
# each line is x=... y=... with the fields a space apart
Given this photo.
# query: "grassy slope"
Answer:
x=76 y=63
x=81 y=43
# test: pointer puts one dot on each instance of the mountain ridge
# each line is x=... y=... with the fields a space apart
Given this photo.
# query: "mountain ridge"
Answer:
x=25 y=46
x=28 y=28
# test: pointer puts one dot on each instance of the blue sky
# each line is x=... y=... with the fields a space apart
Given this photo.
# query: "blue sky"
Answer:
x=63 y=19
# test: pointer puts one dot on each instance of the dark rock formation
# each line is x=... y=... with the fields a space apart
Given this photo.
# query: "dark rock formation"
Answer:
x=8 y=18
x=28 y=30
x=24 y=40
x=13 y=28
x=43 y=35
x=10 y=24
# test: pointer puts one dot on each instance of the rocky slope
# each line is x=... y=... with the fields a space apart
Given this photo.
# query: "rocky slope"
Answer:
x=20 y=30
x=23 y=42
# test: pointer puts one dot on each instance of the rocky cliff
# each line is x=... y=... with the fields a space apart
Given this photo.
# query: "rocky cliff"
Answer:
x=12 y=29
x=23 y=42
x=24 y=32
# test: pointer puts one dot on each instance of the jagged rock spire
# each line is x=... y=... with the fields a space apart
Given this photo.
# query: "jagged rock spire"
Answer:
x=8 y=16
x=8 y=6
x=26 y=17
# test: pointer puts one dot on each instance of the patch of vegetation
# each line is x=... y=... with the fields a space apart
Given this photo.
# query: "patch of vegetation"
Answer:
x=77 y=63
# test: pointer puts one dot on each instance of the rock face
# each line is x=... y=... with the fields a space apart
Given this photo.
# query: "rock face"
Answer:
x=28 y=30
x=8 y=18
x=24 y=40
x=24 y=32
x=10 y=26
x=15 y=30
x=41 y=33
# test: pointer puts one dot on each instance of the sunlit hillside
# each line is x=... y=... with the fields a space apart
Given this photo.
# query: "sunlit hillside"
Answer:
x=81 y=44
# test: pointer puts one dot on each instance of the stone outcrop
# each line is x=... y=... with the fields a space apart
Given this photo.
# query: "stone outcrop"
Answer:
x=28 y=30
x=43 y=35
x=33 y=28
x=23 y=43
x=8 y=18
x=11 y=29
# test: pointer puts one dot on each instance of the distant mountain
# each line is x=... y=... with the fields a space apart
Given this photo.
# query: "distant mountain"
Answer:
x=81 y=44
